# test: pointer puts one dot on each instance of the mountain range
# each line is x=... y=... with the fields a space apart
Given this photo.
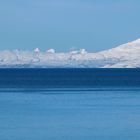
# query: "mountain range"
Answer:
x=123 y=56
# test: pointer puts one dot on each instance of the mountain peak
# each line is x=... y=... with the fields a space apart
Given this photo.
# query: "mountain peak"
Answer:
x=130 y=46
x=136 y=41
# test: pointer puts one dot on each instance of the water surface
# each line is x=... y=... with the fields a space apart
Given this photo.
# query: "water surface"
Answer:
x=28 y=112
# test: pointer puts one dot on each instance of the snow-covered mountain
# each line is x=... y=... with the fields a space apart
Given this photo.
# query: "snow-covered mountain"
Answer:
x=123 y=56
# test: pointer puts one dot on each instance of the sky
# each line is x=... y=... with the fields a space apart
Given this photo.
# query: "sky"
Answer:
x=68 y=24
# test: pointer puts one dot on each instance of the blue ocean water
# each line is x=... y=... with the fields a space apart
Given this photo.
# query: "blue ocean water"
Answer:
x=72 y=104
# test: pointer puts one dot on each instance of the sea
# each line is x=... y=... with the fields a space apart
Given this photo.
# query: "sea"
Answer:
x=69 y=104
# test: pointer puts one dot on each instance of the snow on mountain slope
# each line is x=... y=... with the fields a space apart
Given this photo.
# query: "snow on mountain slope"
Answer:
x=126 y=55
x=123 y=56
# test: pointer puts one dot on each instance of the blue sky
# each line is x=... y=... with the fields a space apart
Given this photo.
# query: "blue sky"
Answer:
x=64 y=24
